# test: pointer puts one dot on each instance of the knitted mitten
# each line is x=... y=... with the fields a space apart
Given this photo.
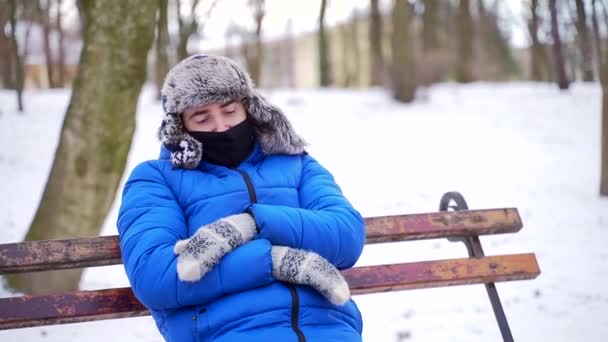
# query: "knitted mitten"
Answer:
x=202 y=251
x=302 y=267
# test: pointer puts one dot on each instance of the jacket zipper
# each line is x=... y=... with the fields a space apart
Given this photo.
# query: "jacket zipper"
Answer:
x=252 y=196
x=295 y=298
x=295 y=313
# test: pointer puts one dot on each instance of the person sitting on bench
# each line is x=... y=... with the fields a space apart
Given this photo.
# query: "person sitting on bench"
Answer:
x=236 y=233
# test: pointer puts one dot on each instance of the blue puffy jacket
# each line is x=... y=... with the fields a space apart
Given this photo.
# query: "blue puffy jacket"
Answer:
x=295 y=202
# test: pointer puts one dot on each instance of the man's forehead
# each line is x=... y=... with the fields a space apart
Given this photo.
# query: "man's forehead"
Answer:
x=210 y=104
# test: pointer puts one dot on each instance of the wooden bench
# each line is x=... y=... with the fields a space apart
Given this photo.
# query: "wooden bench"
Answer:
x=458 y=225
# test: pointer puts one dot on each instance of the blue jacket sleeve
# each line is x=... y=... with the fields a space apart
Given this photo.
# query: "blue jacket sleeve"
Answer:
x=150 y=222
x=326 y=223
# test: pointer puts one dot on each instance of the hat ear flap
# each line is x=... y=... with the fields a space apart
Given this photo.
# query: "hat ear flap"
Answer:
x=186 y=152
x=189 y=154
x=276 y=134
x=171 y=130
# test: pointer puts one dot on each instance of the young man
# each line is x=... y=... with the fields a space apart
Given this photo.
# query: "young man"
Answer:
x=235 y=233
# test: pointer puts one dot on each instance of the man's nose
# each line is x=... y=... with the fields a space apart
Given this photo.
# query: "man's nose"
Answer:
x=221 y=125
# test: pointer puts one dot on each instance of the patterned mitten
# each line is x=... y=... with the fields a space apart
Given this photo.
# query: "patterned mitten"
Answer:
x=302 y=267
x=202 y=251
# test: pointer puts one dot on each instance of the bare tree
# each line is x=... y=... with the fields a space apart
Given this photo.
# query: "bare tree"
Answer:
x=96 y=134
x=464 y=70
x=289 y=55
x=6 y=48
x=61 y=47
x=17 y=58
x=162 y=44
x=256 y=67
x=343 y=60
x=430 y=28
x=325 y=72
x=602 y=54
x=44 y=11
x=356 y=51
x=604 y=144
x=558 y=56
x=349 y=54
x=377 y=69
x=538 y=56
x=584 y=41
x=596 y=34
x=493 y=41
x=403 y=70
x=187 y=26
x=251 y=46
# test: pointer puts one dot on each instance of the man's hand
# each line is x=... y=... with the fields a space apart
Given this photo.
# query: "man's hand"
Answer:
x=198 y=254
x=302 y=267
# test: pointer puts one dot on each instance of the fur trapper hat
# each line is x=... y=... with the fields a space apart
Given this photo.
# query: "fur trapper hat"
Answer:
x=202 y=79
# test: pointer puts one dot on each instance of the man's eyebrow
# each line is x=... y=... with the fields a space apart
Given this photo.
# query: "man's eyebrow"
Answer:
x=227 y=104
x=198 y=112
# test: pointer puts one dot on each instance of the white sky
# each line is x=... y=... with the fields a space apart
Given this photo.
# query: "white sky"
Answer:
x=304 y=15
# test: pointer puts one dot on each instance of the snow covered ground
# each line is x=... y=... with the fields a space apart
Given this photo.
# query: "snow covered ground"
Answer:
x=518 y=144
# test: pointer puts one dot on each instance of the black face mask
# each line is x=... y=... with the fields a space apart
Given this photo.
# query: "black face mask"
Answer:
x=228 y=148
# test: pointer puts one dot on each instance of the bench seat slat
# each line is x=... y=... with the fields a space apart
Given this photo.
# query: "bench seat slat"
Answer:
x=28 y=311
x=71 y=307
x=33 y=256
x=427 y=274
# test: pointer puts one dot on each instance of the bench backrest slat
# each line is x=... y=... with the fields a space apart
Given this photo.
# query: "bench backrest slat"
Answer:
x=33 y=256
x=442 y=224
x=28 y=311
x=46 y=255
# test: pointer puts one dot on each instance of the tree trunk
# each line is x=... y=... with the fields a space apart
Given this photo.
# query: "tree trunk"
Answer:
x=464 y=71
x=96 y=133
x=603 y=62
x=17 y=58
x=6 y=49
x=558 y=56
x=494 y=41
x=604 y=146
x=256 y=67
x=289 y=55
x=536 y=61
x=162 y=44
x=403 y=76
x=430 y=37
x=356 y=52
x=61 y=58
x=325 y=77
x=585 y=42
x=344 y=59
x=377 y=70
x=186 y=29
x=44 y=14
x=596 y=36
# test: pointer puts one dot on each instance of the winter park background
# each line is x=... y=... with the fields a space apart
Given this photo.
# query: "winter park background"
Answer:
x=521 y=143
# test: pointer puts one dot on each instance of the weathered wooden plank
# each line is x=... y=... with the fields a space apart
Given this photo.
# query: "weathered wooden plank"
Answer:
x=28 y=311
x=426 y=274
x=33 y=256
x=59 y=254
x=442 y=224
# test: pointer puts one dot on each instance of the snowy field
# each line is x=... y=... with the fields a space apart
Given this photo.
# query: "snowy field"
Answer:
x=518 y=145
